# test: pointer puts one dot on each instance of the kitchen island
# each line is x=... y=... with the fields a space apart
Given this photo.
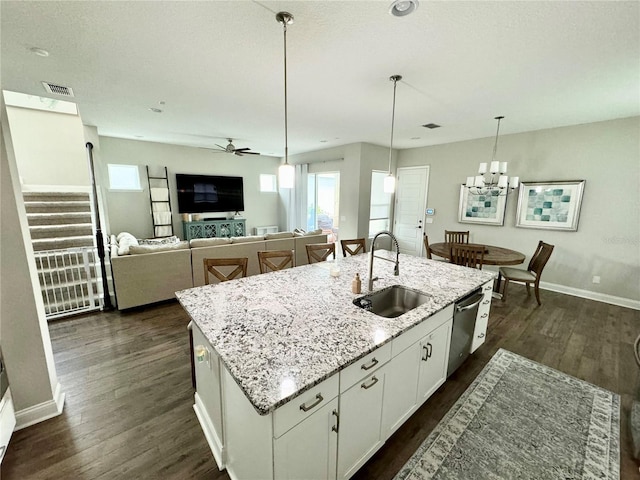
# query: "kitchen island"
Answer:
x=264 y=341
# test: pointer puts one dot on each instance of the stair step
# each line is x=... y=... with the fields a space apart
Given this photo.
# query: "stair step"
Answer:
x=57 y=207
x=56 y=231
x=54 y=196
x=62 y=243
x=66 y=218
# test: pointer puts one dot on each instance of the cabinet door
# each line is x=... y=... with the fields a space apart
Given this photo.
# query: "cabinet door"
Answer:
x=482 y=320
x=400 y=389
x=308 y=450
x=360 y=423
x=434 y=355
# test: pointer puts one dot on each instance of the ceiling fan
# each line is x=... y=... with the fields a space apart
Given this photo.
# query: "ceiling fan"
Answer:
x=236 y=151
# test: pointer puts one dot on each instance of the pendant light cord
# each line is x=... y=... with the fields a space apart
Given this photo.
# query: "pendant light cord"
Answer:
x=286 y=135
x=495 y=145
x=393 y=117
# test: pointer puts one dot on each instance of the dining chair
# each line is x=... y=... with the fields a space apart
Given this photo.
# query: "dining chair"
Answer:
x=212 y=266
x=425 y=239
x=318 y=252
x=353 y=246
x=282 y=258
x=467 y=255
x=451 y=236
x=531 y=275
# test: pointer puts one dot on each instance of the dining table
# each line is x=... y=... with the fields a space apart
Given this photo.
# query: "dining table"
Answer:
x=493 y=255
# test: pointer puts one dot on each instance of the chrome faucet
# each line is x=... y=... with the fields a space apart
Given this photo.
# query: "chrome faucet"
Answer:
x=396 y=268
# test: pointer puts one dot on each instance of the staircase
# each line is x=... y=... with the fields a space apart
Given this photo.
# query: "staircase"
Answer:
x=61 y=230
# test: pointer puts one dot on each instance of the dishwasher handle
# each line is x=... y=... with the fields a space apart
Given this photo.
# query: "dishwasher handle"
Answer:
x=472 y=302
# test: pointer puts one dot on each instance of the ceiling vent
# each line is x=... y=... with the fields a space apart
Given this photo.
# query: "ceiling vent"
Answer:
x=431 y=125
x=58 y=89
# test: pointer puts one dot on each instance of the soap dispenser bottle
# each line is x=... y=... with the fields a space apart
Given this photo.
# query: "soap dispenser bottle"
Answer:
x=356 y=284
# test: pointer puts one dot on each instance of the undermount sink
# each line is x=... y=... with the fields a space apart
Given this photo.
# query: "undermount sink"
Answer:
x=392 y=301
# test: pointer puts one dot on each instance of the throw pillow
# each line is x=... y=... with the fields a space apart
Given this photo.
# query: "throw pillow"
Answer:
x=158 y=241
x=125 y=241
x=313 y=232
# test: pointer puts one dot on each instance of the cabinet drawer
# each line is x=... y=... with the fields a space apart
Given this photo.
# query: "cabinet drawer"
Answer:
x=305 y=405
x=416 y=332
x=364 y=367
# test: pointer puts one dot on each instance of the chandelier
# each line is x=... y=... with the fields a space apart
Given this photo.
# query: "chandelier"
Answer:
x=492 y=180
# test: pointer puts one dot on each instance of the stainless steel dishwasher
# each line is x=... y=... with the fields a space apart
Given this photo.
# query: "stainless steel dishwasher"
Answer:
x=464 y=323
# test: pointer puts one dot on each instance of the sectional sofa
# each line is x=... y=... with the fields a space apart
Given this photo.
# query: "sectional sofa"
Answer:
x=153 y=273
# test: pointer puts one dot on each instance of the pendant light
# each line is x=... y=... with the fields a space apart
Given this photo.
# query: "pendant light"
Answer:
x=286 y=172
x=389 y=185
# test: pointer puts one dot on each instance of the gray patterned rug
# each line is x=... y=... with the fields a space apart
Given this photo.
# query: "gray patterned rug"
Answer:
x=522 y=420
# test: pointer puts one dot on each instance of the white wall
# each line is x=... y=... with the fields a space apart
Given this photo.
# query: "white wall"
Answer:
x=49 y=147
x=130 y=211
x=605 y=154
x=26 y=345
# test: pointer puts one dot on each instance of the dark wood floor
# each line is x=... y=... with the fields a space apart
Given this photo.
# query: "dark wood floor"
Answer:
x=128 y=411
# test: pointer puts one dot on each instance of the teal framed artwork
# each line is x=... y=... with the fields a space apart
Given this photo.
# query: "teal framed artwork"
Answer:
x=550 y=205
x=485 y=209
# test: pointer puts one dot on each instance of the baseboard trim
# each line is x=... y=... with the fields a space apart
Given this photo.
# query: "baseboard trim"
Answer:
x=41 y=412
x=598 y=297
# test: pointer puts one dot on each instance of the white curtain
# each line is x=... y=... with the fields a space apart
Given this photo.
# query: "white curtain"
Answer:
x=297 y=211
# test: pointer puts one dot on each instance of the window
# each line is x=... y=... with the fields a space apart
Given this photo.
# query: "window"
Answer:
x=380 y=207
x=267 y=183
x=124 y=177
x=323 y=199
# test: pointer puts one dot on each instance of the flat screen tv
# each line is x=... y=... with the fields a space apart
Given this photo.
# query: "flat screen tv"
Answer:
x=207 y=193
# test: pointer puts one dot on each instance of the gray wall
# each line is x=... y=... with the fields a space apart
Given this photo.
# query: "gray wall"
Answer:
x=360 y=159
x=605 y=154
x=130 y=211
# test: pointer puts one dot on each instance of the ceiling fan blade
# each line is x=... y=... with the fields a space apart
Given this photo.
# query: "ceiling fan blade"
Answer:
x=241 y=149
x=251 y=153
x=223 y=148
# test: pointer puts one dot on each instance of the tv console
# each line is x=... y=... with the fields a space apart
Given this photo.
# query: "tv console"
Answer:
x=214 y=228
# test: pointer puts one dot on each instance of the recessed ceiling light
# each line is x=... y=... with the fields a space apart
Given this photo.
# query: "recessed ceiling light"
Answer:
x=155 y=110
x=415 y=138
x=41 y=52
x=431 y=125
x=324 y=141
x=401 y=8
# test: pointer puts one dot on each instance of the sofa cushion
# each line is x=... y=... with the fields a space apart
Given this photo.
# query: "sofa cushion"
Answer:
x=253 y=238
x=302 y=233
x=121 y=235
x=208 y=242
x=275 y=236
x=138 y=249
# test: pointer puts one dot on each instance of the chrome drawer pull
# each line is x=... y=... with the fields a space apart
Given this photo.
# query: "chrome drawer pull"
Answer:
x=373 y=363
x=336 y=427
x=486 y=302
x=428 y=350
x=364 y=385
x=306 y=408
x=484 y=315
x=481 y=335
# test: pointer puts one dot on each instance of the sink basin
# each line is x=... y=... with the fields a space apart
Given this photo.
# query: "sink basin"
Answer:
x=392 y=301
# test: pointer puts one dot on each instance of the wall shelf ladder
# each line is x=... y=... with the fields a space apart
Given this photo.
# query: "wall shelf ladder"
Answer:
x=160 y=201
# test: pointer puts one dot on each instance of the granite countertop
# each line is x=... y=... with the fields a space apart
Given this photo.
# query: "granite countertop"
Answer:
x=279 y=334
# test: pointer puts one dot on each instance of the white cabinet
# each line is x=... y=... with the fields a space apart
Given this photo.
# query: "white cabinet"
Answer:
x=208 y=397
x=400 y=389
x=434 y=355
x=308 y=450
x=482 y=320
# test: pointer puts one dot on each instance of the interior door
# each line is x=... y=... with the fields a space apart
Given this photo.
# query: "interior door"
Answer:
x=411 y=203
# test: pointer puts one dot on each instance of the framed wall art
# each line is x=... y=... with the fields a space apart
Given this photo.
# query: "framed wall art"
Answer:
x=550 y=205
x=483 y=209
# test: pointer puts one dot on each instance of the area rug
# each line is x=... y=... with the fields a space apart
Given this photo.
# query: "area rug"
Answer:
x=522 y=420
